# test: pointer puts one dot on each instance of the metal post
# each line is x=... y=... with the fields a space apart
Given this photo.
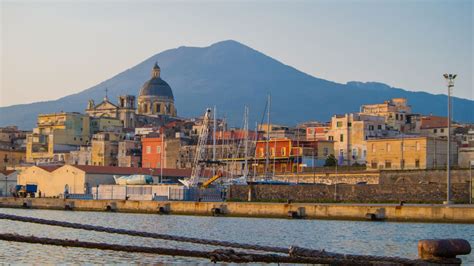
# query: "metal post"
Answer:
x=450 y=82
x=335 y=183
x=161 y=158
x=314 y=169
x=470 y=175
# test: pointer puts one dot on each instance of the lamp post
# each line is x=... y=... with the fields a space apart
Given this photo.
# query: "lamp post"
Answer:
x=450 y=83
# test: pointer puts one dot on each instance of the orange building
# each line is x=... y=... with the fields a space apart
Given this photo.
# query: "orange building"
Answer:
x=286 y=155
x=153 y=152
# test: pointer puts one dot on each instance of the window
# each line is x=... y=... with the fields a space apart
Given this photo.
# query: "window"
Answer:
x=261 y=152
x=365 y=153
x=341 y=137
x=371 y=127
x=354 y=152
x=339 y=124
x=326 y=151
x=396 y=116
x=401 y=117
x=417 y=163
x=388 y=164
x=158 y=149
x=442 y=130
x=373 y=164
x=283 y=151
x=417 y=146
x=330 y=137
x=435 y=130
x=379 y=127
x=148 y=149
x=310 y=131
x=272 y=151
x=373 y=147
x=349 y=124
x=389 y=147
x=341 y=152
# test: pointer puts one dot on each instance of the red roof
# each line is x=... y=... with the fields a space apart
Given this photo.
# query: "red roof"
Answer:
x=92 y=169
x=7 y=172
x=433 y=122
x=49 y=168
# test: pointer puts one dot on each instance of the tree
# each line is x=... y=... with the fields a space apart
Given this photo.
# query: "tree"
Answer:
x=330 y=160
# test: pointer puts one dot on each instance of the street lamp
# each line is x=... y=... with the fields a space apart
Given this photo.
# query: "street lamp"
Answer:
x=450 y=83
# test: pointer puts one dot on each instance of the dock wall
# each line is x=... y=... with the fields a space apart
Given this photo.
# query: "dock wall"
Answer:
x=420 y=213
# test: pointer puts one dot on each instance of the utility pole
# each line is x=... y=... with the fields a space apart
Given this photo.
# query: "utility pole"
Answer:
x=450 y=83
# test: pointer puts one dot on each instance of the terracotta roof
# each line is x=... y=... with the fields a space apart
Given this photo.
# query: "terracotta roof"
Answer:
x=7 y=172
x=168 y=172
x=49 y=168
x=433 y=122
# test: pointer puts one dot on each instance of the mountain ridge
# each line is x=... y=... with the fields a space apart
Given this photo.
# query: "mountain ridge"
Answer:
x=230 y=75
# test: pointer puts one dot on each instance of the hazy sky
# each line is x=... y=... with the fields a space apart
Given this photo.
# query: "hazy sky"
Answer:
x=52 y=49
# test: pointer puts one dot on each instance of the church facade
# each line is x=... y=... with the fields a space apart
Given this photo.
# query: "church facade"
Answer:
x=155 y=104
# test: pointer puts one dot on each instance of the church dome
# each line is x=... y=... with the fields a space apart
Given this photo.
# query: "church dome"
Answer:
x=156 y=86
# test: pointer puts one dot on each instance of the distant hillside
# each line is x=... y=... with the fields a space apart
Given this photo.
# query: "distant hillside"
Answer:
x=230 y=75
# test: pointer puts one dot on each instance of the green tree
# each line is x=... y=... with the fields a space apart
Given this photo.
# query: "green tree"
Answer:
x=330 y=160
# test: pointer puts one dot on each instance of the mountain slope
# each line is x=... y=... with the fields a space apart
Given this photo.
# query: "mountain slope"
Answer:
x=230 y=75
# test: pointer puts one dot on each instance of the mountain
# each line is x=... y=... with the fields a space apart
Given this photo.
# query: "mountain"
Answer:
x=230 y=75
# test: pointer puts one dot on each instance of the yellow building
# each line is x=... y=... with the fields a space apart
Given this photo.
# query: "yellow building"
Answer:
x=394 y=112
x=408 y=153
x=9 y=158
x=105 y=148
x=350 y=133
x=52 y=181
x=56 y=135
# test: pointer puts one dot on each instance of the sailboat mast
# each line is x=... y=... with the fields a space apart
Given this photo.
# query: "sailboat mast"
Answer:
x=267 y=158
x=246 y=136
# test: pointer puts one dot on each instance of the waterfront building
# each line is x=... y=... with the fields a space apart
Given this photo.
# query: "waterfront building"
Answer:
x=53 y=181
x=8 y=180
x=290 y=156
x=350 y=133
x=104 y=148
x=11 y=158
x=55 y=136
x=395 y=111
x=408 y=152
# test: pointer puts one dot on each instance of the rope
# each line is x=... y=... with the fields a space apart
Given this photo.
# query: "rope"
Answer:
x=299 y=254
x=218 y=255
x=143 y=234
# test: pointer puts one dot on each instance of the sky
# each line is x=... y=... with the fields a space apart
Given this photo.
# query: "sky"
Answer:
x=51 y=49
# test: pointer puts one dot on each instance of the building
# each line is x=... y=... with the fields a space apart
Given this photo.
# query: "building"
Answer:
x=156 y=97
x=290 y=156
x=160 y=151
x=432 y=126
x=104 y=148
x=55 y=136
x=408 y=152
x=104 y=123
x=350 y=133
x=395 y=112
x=83 y=156
x=317 y=132
x=8 y=180
x=155 y=105
x=52 y=181
x=130 y=153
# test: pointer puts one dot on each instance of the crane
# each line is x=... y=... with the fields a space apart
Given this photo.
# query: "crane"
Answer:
x=199 y=163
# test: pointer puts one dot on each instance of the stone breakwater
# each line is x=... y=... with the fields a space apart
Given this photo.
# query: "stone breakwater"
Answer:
x=367 y=193
x=390 y=212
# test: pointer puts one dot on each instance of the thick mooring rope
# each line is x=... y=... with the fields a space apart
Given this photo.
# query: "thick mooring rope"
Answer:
x=296 y=254
x=224 y=255
x=142 y=234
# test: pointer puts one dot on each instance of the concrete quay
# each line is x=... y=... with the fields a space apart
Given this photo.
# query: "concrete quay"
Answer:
x=388 y=212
